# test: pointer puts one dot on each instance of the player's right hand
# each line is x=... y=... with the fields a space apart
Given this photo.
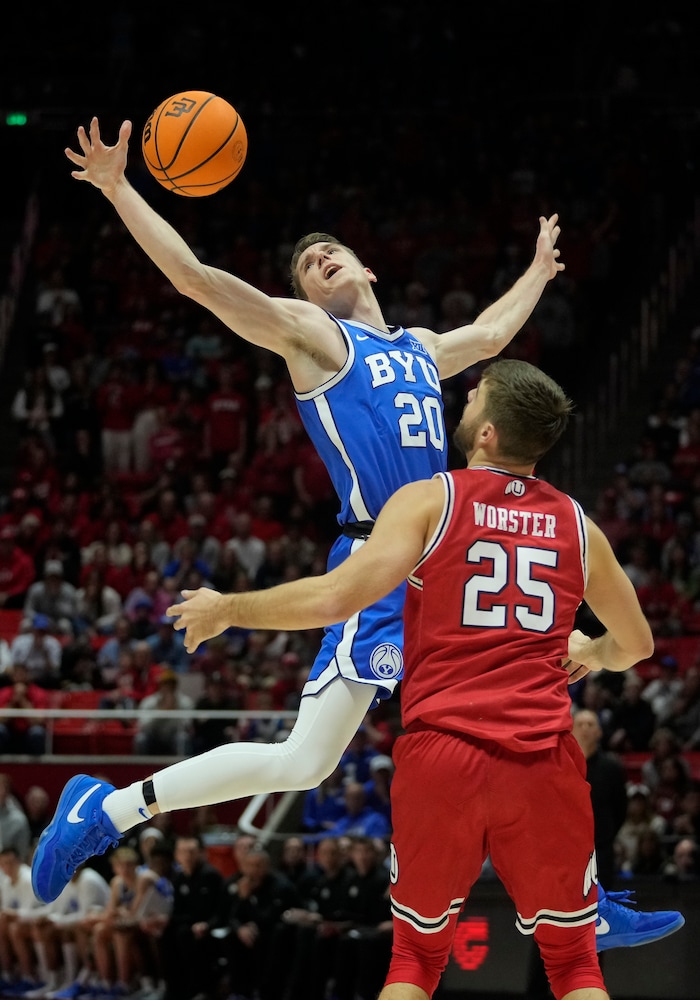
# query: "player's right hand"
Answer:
x=101 y=165
x=199 y=614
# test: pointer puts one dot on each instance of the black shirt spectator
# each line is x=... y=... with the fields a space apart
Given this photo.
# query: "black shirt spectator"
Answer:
x=189 y=950
x=260 y=943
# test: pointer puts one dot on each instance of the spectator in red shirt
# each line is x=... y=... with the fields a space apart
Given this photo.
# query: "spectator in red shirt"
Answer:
x=150 y=395
x=37 y=474
x=664 y=608
x=314 y=489
x=18 y=735
x=31 y=535
x=166 y=444
x=263 y=522
x=128 y=577
x=18 y=507
x=96 y=560
x=225 y=423
x=17 y=571
x=204 y=504
x=115 y=400
x=73 y=509
x=145 y=671
x=228 y=504
x=169 y=521
x=614 y=526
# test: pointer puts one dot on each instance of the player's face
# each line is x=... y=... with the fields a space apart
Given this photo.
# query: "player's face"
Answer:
x=328 y=272
x=472 y=419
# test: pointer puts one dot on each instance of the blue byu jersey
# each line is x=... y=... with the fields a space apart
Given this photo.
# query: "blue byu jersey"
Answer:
x=378 y=423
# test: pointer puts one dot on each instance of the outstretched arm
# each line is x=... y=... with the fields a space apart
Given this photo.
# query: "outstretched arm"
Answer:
x=381 y=564
x=613 y=600
x=285 y=326
x=495 y=327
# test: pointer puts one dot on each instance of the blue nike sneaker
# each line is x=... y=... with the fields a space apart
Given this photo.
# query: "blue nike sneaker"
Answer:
x=619 y=926
x=78 y=830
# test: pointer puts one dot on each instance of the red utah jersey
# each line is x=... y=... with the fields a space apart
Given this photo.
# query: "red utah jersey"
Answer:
x=489 y=609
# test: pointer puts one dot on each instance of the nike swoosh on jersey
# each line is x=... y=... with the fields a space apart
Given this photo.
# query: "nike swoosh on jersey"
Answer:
x=602 y=927
x=360 y=337
x=74 y=815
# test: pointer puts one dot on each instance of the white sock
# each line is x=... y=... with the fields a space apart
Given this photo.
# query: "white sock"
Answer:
x=126 y=807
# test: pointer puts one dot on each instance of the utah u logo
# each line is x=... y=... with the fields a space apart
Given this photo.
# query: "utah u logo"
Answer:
x=590 y=876
x=393 y=865
x=516 y=487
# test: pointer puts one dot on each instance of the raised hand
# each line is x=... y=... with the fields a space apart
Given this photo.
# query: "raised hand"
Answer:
x=545 y=249
x=101 y=165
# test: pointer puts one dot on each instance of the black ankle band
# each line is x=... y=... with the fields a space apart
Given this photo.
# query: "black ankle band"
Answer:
x=149 y=796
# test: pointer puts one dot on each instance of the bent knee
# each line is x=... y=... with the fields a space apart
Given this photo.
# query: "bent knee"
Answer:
x=570 y=959
x=304 y=772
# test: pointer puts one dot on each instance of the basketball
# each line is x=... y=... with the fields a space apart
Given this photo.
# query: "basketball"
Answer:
x=194 y=143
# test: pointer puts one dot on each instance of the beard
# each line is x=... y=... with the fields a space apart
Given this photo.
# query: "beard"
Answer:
x=464 y=437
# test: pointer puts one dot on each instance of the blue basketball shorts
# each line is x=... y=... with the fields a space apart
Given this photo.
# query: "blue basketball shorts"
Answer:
x=368 y=648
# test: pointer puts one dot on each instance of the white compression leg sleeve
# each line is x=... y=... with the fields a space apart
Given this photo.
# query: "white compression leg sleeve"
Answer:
x=325 y=725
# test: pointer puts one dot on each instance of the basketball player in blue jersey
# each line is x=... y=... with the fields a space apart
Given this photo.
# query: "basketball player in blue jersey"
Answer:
x=370 y=399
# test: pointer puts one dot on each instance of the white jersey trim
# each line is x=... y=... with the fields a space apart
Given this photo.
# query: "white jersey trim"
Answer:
x=442 y=526
x=583 y=538
x=357 y=503
x=426 y=925
x=347 y=336
x=557 y=918
x=340 y=374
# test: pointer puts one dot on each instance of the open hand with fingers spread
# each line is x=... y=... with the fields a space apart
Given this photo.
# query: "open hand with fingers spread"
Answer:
x=546 y=248
x=101 y=165
x=200 y=614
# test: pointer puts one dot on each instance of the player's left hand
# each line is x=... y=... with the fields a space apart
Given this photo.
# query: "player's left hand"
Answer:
x=546 y=248
x=576 y=671
x=579 y=644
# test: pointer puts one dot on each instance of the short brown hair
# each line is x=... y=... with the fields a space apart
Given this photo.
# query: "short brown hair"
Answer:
x=529 y=410
x=303 y=244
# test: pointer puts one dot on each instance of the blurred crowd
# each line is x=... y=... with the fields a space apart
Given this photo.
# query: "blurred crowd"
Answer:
x=156 y=918
x=153 y=451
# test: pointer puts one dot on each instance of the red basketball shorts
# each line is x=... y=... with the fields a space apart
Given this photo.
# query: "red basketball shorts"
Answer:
x=456 y=801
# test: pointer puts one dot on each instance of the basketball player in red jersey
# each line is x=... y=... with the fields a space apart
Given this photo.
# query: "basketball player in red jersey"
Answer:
x=497 y=563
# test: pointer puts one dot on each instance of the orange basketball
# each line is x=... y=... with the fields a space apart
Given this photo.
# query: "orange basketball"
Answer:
x=194 y=143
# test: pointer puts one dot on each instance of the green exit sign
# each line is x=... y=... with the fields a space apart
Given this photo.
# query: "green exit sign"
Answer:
x=15 y=118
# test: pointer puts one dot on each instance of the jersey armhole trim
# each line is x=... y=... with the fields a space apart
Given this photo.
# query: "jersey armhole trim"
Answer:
x=341 y=373
x=583 y=538
x=442 y=525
